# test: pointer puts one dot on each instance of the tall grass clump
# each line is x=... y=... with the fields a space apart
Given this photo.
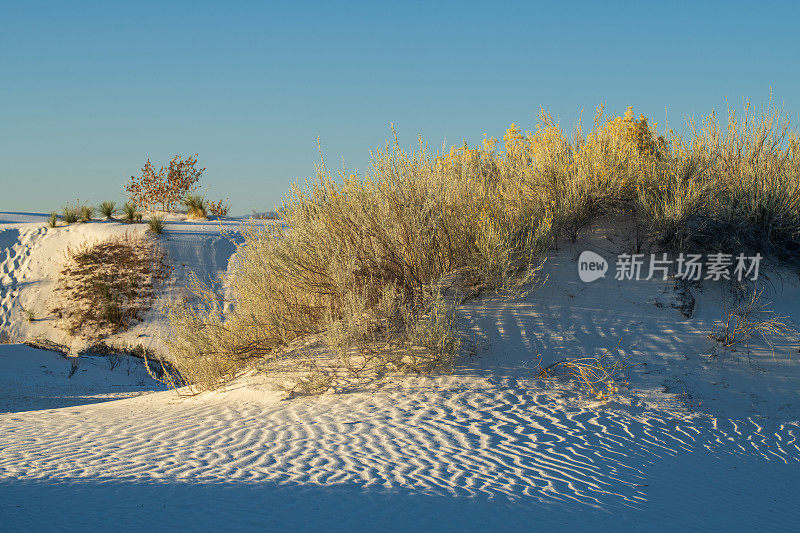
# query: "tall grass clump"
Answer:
x=107 y=209
x=196 y=206
x=53 y=220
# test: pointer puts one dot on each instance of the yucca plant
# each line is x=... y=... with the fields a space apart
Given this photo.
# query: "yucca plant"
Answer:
x=86 y=213
x=156 y=224
x=130 y=213
x=70 y=214
x=107 y=209
x=53 y=219
x=196 y=206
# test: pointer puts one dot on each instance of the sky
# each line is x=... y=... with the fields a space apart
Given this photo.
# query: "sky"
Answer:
x=89 y=91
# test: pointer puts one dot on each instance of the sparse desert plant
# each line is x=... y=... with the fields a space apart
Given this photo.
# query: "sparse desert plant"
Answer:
x=87 y=213
x=599 y=376
x=106 y=286
x=53 y=220
x=70 y=214
x=167 y=186
x=219 y=208
x=107 y=209
x=130 y=213
x=156 y=224
x=746 y=316
x=195 y=206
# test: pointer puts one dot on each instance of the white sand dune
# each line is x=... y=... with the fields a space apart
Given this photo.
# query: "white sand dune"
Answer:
x=695 y=441
x=31 y=255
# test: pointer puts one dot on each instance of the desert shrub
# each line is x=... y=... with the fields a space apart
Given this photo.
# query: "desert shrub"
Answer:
x=753 y=182
x=86 y=212
x=748 y=316
x=195 y=206
x=130 y=213
x=53 y=220
x=106 y=286
x=70 y=214
x=166 y=187
x=219 y=208
x=365 y=266
x=156 y=224
x=107 y=209
x=365 y=263
x=599 y=376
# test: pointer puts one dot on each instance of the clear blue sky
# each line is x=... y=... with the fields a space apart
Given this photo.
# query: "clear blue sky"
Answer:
x=89 y=91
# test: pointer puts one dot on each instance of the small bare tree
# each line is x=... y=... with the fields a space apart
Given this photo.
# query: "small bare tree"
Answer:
x=166 y=187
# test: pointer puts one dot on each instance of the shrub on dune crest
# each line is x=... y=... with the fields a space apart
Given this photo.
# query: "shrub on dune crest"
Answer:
x=364 y=264
x=70 y=214
x=195 y=206
x=107 y=209
x=87 y=213
x=219 y=208
x=130 y=213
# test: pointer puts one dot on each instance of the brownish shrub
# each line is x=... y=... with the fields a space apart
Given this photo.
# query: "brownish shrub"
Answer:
x=219 y=208
x=166 y=187
x=106 y=286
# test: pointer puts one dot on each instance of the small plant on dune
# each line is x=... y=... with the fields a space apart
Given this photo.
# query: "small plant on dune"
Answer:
x=195 y=206
x=107 y=209
x=87 y=213
x=105 y=287
x=156 y=224
x=53 y=220
x=130 y=213
x=748 y=316
x=70 y=214
x=219 y=208
x=167 y=186
x=599 y=376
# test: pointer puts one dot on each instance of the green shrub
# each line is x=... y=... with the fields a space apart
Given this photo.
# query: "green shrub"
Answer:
x=107 y=209
x=156 y=224
x=53 y=220
x=130 y=213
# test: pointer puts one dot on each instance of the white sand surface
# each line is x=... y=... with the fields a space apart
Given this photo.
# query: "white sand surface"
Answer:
x=696 y=441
